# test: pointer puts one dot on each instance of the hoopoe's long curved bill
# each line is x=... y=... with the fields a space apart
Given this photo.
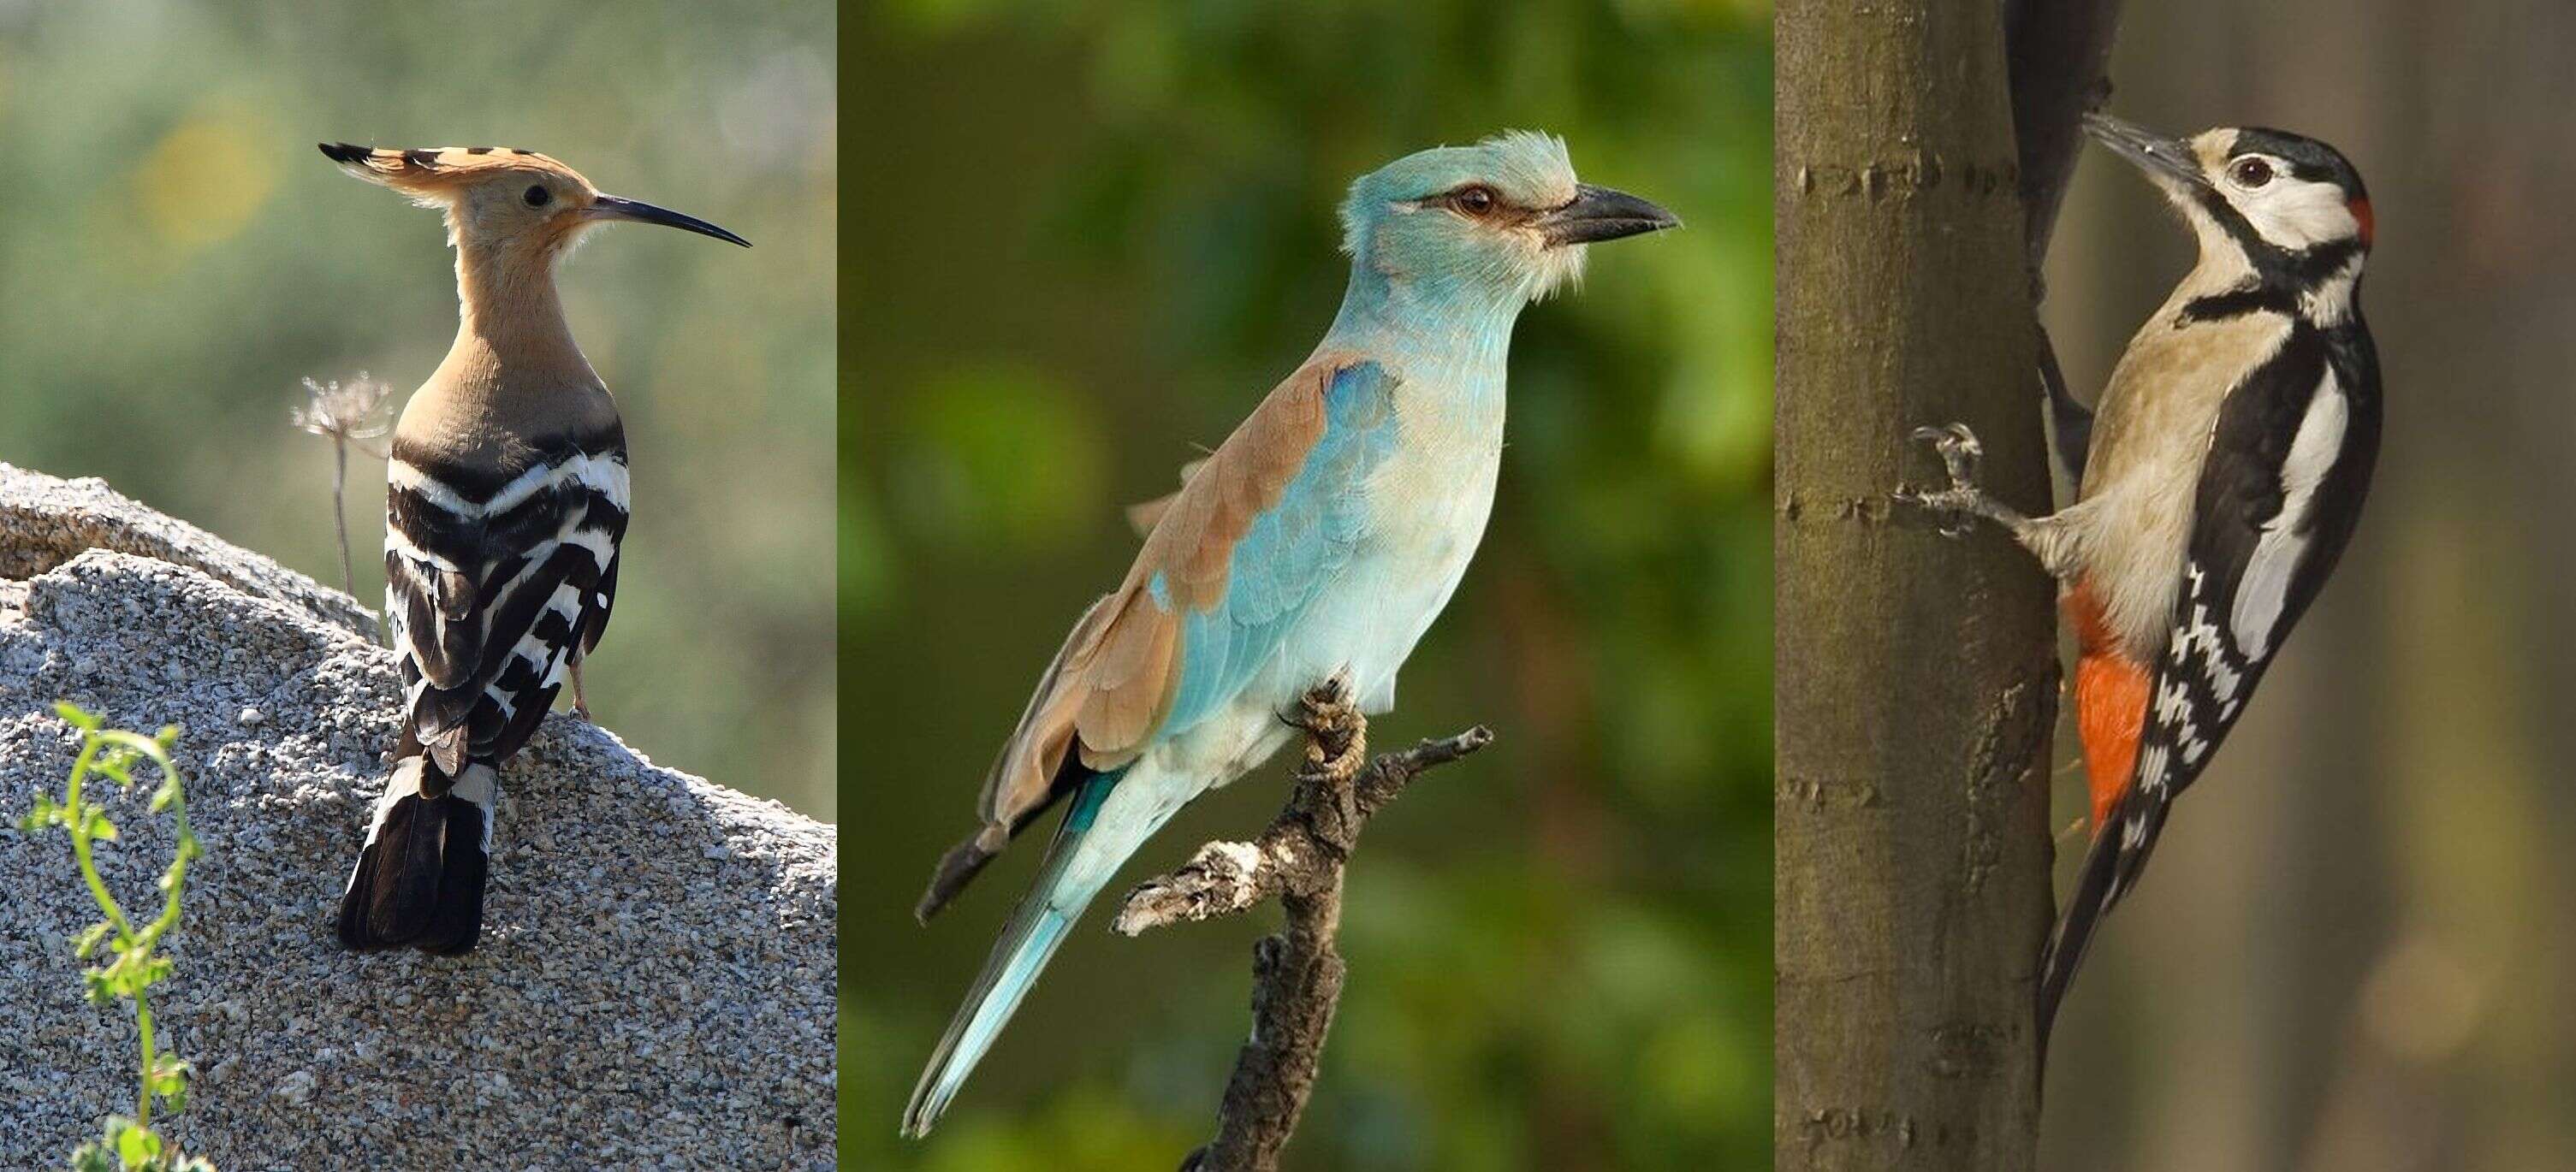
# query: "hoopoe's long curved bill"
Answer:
x=636 y=211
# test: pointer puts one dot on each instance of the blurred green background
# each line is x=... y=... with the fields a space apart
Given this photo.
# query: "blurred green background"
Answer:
x=175 y=256
x=1086 y=240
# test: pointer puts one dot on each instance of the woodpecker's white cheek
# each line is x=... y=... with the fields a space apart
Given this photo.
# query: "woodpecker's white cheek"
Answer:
x=2297 y=215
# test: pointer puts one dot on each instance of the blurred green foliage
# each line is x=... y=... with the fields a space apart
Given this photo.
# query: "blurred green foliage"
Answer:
x=175 y=257
x=1086 y=239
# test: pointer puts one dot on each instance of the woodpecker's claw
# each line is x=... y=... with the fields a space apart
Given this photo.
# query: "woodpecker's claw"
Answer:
x=1963 y=502
x=1959 y=450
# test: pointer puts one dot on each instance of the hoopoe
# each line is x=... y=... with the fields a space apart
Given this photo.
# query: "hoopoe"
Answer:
x=504 y=506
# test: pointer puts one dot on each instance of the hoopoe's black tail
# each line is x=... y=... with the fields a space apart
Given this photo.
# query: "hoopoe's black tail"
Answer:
x=419 y=879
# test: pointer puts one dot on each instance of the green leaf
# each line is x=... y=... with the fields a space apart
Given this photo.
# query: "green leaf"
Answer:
x=138 y=1146
x=47 y=812
x=169 y=1082
x=88 y=940
x=72 y=714
x=99 y=827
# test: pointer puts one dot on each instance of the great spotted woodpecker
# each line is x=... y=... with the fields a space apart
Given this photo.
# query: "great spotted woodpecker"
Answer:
x=2227 y=467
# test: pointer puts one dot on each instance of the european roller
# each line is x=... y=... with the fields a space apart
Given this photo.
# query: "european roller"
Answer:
x=1317 y=542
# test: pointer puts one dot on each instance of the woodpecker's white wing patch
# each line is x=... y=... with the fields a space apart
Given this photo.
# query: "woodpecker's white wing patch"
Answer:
x=2285 y=538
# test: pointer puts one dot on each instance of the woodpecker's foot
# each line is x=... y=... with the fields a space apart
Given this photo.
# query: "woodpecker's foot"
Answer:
x=580 y=703
x=1958 y=506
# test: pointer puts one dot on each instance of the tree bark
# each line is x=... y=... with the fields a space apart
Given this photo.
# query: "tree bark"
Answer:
x=1916 y=675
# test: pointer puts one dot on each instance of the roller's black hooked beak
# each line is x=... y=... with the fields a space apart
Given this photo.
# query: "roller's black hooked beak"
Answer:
x=2158 y=156
x=1599 y=213
x=609 y=207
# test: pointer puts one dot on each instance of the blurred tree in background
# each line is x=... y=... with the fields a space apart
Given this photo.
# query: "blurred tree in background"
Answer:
x=175 y=257
x=1086 y=240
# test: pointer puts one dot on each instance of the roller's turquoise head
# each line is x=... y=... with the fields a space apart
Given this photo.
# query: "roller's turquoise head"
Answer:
x=1503 y=221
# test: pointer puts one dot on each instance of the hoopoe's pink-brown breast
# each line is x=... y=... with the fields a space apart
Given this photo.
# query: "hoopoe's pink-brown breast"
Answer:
x=1112 y=684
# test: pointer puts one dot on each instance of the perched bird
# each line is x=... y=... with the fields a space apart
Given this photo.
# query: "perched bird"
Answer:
x=2228 y=462
x=505 y=503
x=1318 y=541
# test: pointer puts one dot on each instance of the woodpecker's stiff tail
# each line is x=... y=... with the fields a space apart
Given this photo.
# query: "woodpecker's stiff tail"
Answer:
x=2121 y=844
x=419 y=879
x=1085 y=853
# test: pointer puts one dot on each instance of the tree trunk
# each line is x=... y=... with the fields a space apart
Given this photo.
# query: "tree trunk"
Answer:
x=1917 y=675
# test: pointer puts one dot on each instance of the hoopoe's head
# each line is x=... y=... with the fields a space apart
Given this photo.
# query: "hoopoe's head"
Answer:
x=506 y=202
x=1503 y=220
x=2275 y=197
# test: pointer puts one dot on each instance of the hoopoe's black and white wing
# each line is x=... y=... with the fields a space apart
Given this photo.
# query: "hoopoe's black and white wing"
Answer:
x=2279 y=493
x=497 y=581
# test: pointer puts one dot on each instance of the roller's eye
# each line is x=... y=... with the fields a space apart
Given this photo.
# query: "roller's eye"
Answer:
x=1477 y=200
x=537 y=196
x=2249 y=172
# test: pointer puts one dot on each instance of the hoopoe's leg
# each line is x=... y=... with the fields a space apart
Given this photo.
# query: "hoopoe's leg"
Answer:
x=1963 y=502
x=580 y=703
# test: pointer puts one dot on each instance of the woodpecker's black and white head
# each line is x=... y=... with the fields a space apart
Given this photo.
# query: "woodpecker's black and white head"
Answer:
x=2277 y=212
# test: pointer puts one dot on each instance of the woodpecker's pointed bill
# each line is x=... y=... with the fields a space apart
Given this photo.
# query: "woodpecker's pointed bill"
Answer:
x=633 y=211
x=2167 y=159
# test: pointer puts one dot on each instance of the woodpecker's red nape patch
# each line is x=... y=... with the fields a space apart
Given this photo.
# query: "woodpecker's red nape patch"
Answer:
x=2360 y=207
x=2110 y=701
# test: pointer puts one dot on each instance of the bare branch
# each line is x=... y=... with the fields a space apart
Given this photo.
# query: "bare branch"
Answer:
x=1298 y=860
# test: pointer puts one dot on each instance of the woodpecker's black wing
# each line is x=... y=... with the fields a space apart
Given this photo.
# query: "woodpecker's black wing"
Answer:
x=2279 y=493
x=496 y=580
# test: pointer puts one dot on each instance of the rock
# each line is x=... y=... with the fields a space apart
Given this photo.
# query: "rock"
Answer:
x=653 y=980
x=45 y=522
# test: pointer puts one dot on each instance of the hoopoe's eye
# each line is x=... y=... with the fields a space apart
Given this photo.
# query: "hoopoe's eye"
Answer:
x=1476 y=200
x=2249 y=172
x=537 y=196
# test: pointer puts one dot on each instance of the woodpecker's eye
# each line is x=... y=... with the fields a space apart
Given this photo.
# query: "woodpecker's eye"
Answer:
x=1477 y=200
x=2250 y=172
x=537 y=196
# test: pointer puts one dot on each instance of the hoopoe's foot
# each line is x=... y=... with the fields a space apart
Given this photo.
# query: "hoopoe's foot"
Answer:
x=580 y=703
x=1958 y=506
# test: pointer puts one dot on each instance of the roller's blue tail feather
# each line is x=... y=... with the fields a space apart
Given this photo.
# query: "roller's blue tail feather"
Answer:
x=1036 y=930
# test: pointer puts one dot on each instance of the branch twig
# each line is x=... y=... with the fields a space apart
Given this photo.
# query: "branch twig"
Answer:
x=1296 y=973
